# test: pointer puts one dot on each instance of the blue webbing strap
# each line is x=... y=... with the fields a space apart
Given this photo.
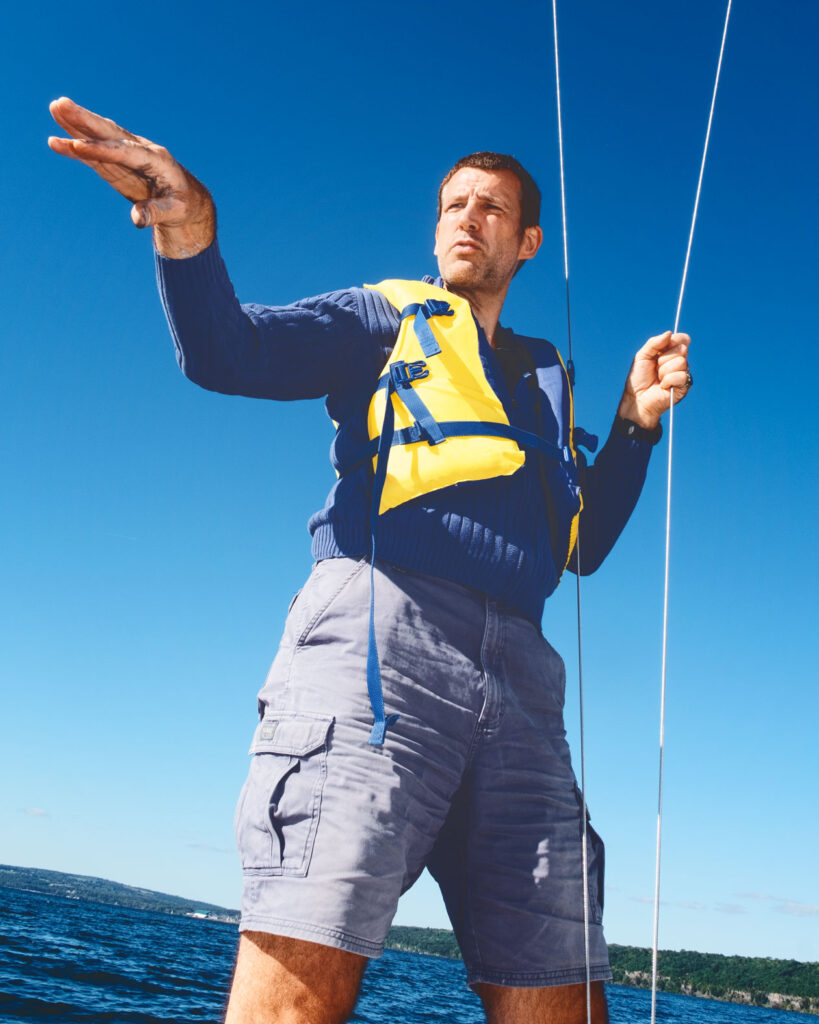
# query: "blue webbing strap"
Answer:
x=425 y=427
x=483 y=428
x=422 y=311
x=374 y=687
x=416 y=407
x=461 y=428
x=423 y=332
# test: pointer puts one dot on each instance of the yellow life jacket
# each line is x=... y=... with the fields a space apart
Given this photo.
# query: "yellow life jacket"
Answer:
x=435 y=421
x=441 y=366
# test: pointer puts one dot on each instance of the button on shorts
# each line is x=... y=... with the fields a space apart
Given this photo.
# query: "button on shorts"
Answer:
x=474 y=780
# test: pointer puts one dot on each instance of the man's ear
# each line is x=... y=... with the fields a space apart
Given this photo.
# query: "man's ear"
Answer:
x=435 y=250
x=531 y=242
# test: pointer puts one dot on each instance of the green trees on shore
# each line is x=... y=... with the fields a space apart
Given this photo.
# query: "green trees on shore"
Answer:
x=762 y=981
x=717 y=975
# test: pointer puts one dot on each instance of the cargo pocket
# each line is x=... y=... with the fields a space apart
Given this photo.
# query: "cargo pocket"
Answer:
x=279 y=807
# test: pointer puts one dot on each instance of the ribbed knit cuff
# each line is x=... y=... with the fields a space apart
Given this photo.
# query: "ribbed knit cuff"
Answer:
x=197 y=294
x=193 y=273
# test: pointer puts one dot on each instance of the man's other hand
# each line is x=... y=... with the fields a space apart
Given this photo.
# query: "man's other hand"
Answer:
x=660 y=365
x=166 y=197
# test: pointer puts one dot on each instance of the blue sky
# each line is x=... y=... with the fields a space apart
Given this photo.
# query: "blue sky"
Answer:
x=154 y=533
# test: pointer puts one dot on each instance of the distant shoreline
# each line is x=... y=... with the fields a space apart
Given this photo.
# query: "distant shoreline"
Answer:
x=756 y=981
x=115 y=894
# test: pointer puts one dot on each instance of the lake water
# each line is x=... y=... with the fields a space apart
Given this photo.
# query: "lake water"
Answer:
x=68 y=961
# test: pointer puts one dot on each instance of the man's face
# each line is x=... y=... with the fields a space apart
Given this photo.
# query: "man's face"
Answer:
x=479 y=240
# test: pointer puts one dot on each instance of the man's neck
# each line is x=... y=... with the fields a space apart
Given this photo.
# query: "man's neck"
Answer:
x=485 y=306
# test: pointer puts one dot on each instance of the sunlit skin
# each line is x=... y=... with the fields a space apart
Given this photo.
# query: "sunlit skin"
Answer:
x=165 y=196
x=479 y=242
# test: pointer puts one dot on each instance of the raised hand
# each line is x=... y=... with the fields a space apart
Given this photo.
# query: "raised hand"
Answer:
x=164 y=195
x=660 y=365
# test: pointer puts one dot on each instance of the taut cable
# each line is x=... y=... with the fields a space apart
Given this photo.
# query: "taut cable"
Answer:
x=571 y=375
x=655 y=942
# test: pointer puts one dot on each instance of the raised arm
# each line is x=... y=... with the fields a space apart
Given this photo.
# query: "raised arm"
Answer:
x=328 y=344
x=165 y=196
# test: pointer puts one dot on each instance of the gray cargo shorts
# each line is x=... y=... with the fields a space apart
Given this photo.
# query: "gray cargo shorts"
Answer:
x=474 y=781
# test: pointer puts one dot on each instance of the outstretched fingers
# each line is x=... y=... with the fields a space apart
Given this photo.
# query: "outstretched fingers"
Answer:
x=94 y=151
x=164 y=194
x=98 y=141
x=82 y=123
x=129 y=153
x=135 y=169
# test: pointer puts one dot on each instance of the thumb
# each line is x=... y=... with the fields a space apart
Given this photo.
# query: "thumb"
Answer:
x=143 y=213
x=159 y=210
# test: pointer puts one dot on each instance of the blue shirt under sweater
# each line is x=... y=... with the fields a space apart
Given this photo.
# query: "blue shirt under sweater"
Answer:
x=490 y=535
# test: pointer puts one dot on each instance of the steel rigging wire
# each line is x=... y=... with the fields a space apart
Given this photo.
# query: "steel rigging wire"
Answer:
x=570 y=369
x=663 y=673
x=571 y=375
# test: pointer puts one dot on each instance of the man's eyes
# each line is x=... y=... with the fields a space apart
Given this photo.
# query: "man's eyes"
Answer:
x=457 y=205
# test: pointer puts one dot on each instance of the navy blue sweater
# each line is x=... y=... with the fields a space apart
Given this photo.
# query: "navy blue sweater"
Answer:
x=490 y=535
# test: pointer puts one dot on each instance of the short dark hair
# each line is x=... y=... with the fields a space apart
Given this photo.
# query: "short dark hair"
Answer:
x=488 y=161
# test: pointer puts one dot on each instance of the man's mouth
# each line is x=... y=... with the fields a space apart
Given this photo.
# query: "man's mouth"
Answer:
x=467 y=243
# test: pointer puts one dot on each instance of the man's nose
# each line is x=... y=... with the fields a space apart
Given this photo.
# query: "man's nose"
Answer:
x=469 y=216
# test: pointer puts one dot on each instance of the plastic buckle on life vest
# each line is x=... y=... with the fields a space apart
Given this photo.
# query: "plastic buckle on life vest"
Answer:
x=403 y=373
x=418 y=432
x=439 y=307
x=584 y=438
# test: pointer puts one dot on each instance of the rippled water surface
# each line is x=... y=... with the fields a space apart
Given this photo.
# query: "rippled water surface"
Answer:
x=69 y=961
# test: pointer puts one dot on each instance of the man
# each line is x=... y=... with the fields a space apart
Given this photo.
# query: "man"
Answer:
x=469 y=774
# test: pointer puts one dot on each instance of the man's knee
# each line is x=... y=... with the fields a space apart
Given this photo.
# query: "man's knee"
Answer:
x=559 y=1004
x=279 y=980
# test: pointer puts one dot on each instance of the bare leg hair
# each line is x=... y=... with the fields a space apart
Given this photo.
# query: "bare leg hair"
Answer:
x=560 y=1004
x=278 y=980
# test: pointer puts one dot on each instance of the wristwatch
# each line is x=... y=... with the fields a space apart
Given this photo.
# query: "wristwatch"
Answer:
x=637 y=433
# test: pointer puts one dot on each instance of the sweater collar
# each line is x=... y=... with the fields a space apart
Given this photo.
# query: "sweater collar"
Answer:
x=503 y=332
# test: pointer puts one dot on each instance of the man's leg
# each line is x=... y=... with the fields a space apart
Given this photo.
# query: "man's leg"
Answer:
x=509 y=859
x=331 y=829
x=288 y=981
x=562 y=1004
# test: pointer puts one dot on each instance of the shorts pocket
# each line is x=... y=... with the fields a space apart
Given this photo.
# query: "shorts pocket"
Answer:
x=324 y=591
x=279 y=807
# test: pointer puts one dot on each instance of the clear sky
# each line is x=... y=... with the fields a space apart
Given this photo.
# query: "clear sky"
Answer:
x=153 y=532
